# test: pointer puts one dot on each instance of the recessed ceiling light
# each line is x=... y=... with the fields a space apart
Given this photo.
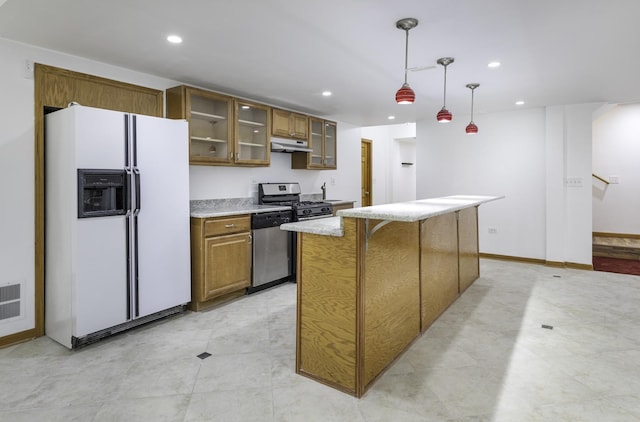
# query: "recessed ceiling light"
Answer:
x=174 y=39
x=493 y=65
x=391 y=117
x=326 y=93
x=520 y=102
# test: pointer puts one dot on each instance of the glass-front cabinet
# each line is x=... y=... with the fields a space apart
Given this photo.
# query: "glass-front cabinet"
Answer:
x=210 y=128
x=330 y=145
x=252 y=133
x=222 y=130
x=323 y=143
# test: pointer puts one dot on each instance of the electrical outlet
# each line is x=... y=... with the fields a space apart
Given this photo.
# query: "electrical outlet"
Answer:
x=614 y=180
x=493 y=230
x=333 y=181
x=573 y=182
x=28 y=69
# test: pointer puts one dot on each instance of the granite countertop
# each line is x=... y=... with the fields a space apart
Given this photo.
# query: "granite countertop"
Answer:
x=338 y=201
x=204 y=208
x=329 y=226
x=418 y=210
x=226 y=207
x=402 y=211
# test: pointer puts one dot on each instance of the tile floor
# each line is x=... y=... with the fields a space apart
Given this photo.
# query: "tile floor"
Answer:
x=486 y=359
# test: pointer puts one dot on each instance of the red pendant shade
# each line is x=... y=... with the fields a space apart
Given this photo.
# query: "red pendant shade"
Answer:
x=444 y=116
x=405 y=95
x=471 y=129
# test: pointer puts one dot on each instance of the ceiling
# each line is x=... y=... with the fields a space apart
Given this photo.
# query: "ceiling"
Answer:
x=286 y=52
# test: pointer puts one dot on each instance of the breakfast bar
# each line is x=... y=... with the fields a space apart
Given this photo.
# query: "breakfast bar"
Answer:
x=371 y=279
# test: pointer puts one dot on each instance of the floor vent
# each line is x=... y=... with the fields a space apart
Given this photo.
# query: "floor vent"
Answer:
x=9 y=301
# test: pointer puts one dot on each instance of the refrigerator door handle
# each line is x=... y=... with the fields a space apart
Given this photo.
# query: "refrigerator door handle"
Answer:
x=127 y=195
x=136 y=268
x=136 y=175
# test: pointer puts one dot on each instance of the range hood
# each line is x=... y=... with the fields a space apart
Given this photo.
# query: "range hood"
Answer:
x=289 y=145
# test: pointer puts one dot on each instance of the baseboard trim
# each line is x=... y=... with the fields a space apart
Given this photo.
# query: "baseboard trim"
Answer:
x=512 y=258
x=619 y=235
x=556 y=264
x=16 y=338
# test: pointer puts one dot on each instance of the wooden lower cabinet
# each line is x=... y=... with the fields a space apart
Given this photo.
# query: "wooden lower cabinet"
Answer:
x=220 y=259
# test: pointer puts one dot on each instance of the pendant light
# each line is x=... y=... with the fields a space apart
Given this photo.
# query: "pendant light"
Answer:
x=472 y=129
x=444 y=115
x=405 y=94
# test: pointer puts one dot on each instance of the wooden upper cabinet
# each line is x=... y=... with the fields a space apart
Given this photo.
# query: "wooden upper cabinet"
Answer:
x=222 y=130
x=323 y=142
x=253 y=125
x=287 y=124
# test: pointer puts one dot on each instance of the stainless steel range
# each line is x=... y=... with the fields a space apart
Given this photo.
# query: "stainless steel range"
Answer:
x=288 y=194
x=274 y=250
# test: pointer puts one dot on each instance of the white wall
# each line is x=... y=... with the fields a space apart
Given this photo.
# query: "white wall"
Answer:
x=17 y=254
x=524 y=155
x=403 y=176
x=616 y=152
x=385 y=156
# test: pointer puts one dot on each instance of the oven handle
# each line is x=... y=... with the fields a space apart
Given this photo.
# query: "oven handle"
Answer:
x=315 y=217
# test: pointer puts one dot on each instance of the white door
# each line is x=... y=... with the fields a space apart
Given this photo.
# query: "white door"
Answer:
x=163 y=221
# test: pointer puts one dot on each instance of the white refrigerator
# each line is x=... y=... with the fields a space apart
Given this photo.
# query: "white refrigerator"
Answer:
x=117 y=222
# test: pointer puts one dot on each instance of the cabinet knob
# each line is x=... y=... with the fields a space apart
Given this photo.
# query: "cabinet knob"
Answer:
x=229 y=226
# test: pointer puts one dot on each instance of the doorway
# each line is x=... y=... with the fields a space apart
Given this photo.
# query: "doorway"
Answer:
x=367 y=171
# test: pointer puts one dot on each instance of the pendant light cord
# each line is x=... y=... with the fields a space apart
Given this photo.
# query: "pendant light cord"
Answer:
x=406 y=55
x=444 y=102
x=472 y=91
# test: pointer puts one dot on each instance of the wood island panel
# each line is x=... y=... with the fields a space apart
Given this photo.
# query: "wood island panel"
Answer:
x=391 y=295
x=468 y=247
x=369 y=289
x=327 y=288
x=439 y=266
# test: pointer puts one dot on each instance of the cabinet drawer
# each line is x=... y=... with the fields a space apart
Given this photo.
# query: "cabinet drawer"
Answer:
x=226 y=225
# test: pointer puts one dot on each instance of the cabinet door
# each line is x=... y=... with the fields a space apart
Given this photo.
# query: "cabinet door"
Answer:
x=281 y=123
x=330 y=145
x=315 y=142
x=227 y=264
x=210 y=127
x=299 y=124
x=253 y=126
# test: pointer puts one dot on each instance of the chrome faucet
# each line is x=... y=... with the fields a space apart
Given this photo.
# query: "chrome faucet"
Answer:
x=324 y=190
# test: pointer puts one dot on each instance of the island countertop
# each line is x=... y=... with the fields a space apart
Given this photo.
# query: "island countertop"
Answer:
x=402 y=211
x=418 y=210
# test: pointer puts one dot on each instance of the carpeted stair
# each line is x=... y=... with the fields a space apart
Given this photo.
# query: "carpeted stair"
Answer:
x=616 y=254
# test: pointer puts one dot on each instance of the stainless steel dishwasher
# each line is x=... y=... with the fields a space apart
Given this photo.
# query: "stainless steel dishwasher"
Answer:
x=273 y=258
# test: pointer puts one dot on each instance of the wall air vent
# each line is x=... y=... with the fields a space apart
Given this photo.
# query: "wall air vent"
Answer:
x=9 y=301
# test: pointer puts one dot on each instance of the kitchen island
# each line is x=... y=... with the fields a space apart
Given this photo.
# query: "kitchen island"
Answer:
x=372 y=279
